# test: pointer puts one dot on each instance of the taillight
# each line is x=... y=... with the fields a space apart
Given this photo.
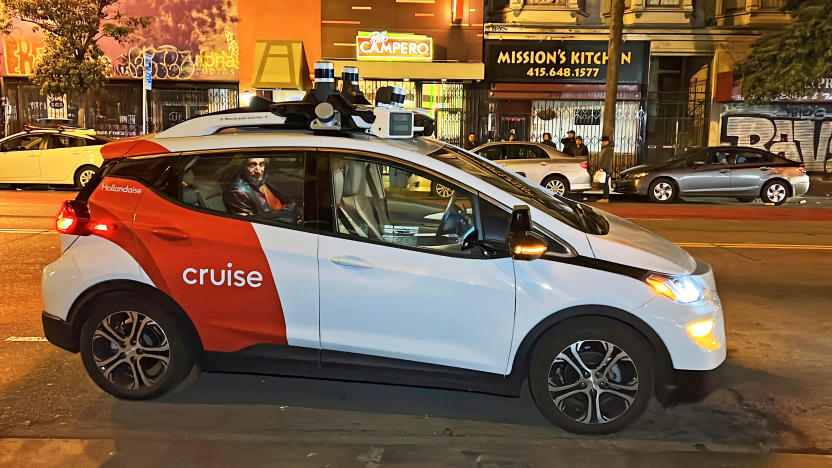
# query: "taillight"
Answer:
x=74 y=219
x=802 y=168
x=584 y=165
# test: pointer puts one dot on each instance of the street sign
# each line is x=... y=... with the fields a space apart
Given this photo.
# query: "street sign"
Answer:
x=148 y=72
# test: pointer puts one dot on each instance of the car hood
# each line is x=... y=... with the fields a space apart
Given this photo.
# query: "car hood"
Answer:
x=632 y=245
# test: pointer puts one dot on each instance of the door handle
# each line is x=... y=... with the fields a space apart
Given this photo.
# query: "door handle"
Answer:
x=170 y=233
x=350 y=262
x=765 y=168
x=724 y=171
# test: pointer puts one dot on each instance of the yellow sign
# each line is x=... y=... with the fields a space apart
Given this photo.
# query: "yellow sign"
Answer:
x=389 y=47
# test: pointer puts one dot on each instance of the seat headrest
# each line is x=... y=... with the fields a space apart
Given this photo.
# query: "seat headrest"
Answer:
x=354 y=179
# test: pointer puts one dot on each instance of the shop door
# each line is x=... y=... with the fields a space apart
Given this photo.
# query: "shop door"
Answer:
x=516 y=122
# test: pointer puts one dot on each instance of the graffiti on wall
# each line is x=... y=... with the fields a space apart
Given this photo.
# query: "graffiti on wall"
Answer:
x=803 y=137
x=21 y=53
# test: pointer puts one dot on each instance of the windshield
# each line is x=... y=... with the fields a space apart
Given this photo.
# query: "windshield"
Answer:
x=567 y=211
x=686 y=154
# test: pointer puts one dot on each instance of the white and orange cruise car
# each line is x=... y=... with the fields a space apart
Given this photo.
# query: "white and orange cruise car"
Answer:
x=275 y=239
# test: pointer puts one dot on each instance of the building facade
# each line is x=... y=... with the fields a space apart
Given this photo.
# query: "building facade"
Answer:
x=542 y=57
x=194 y=54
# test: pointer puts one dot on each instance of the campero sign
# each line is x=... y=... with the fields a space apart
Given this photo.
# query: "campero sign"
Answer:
x=381 y=45
x=562 y=61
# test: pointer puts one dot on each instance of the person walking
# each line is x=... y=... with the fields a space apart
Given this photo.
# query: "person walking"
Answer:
x=605 y=163
x=471 y=142
x=512 y=137
x=568 y=142
x=580 y=147
x=547 y=140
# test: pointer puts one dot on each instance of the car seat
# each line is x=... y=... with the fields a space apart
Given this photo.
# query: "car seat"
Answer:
x=359 y=202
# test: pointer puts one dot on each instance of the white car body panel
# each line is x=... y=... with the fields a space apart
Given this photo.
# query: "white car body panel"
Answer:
x=293 y=260
x=89 y=261
x=432 y=308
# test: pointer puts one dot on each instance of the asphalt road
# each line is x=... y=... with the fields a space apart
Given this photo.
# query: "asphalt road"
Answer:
x=768 y=405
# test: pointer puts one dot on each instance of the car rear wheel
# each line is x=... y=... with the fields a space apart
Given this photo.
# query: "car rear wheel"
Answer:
x=83 y=175
x=556 y=184
x=591 y=376
x=134 y=348
x=775 y=192
x=662 y=191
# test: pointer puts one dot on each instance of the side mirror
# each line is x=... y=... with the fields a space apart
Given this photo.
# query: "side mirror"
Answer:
x=523 y=242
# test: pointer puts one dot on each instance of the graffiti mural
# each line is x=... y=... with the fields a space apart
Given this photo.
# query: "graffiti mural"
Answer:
x=798 y=132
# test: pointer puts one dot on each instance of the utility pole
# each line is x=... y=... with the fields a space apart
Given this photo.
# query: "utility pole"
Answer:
x=613 y=62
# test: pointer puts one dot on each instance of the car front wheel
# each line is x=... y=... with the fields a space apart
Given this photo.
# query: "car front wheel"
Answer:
x=775 y=192
x=591 y=376
x=662 y=191
x=134 y=348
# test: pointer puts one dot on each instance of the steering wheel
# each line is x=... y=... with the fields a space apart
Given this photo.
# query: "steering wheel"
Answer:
x=446 y=216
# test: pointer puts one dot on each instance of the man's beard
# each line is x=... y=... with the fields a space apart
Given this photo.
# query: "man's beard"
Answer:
x=256 y=181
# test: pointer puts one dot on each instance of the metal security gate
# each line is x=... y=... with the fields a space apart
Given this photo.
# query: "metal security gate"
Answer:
x=443 y=100
x=586 y=118
x=169 y=107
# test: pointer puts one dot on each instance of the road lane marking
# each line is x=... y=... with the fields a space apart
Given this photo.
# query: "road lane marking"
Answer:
x=26 y=231
x=25 y=338
x=728 y=245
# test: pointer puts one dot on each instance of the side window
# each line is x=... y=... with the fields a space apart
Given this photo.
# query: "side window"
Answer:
x=493 y=153
x=536 y=152
x=719 y=157
x=515 y=151
x=64 y=141
x=752 y=158
x=383 y=202
x=25 y=143
x=266 y=186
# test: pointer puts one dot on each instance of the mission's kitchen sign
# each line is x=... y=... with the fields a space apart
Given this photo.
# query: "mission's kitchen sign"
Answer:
x=562 y=61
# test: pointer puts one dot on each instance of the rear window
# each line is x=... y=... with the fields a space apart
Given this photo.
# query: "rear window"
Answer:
x=147 y=171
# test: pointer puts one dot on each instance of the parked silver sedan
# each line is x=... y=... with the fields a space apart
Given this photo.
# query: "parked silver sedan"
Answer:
x=542 y=164
x=722 y=171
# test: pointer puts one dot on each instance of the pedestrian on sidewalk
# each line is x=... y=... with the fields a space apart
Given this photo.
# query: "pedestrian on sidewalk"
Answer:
x=580 y=147
x=471 y=142
x=605 y=163
x=568 y=142
x=547 y=140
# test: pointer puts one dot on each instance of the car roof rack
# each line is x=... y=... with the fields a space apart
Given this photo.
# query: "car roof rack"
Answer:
x=324 y=110
x=60 y=129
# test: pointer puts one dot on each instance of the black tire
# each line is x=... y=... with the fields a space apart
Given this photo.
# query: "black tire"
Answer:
x=154 y=379
x=746 y=199
x=592 y=333
x=555 y=179
x=775 y=191
x=83 y=175
x=666 y=186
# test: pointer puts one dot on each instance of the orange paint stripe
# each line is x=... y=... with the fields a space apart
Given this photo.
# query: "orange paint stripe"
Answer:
x=423 y=14
x=340 y=22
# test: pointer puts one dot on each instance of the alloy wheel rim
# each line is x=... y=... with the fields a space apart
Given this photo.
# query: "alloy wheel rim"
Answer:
x=663 y=191
x=556 y=186
x=443 y=191
x=593 y=382
x=85 y=177
x=131 y=350
x=776 y=193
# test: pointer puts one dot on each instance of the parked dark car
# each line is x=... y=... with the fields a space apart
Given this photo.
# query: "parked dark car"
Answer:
x=720 y=171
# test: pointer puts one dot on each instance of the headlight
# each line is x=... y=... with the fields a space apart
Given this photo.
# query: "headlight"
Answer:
x=681 y=289
x=638 y=175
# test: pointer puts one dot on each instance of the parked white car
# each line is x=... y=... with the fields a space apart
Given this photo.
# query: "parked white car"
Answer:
x=50 y=156
x=554 y=170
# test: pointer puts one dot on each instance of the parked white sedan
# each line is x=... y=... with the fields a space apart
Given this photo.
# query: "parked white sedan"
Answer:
x=50 y=156
x=554 y=170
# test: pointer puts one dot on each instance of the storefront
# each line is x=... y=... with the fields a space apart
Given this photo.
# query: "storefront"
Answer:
x=192 y=73
x=412 y=45
x=537 y=87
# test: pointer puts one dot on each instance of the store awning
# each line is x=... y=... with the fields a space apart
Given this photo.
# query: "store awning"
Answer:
x=415 y=70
